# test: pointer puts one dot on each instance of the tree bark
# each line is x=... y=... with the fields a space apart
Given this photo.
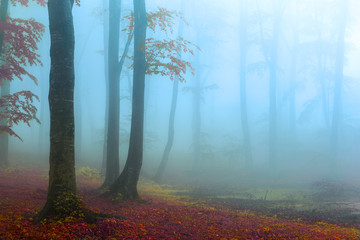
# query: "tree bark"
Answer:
x=62 y=199
x=243 y=98
x=112 y=145
x=4 y=90
x=126 y=183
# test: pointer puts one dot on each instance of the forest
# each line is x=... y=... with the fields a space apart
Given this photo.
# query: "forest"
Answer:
x=182 y=119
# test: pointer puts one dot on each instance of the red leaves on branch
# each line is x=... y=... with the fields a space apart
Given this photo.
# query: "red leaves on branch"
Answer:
x=163 y=56
x=26 y=2
x=17 y=108
x=18 y=51
x=19 y=48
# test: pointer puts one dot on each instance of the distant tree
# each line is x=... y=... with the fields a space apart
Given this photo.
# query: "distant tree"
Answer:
x=339 y=76
x=293 y=77
x=243 y=75
x=171 y=128
x=18 y=46
x=126 y=183
x=270 y=48
x=114 y=71
x=161 y=58
x=273 y=68
x=106 y=75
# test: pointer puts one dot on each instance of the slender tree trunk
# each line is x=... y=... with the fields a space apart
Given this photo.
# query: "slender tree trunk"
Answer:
x=292 y=102
x=4 y=137
x=321 y=68
x=3 y=14
x=112 y=155
x=324 y=90
x=43 y=140
x=196 y=117
x=62 y=200
x=106 y=75
x=243 y=98
x=126 y=184
x=273 y=89
x=4 y=90
x=78 y=119
x=339 y=68
x=78 y=100
x=165 y=158
x=170 y=140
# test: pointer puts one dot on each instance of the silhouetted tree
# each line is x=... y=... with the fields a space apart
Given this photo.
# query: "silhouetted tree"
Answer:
x=4 y=90
x=243 y=71
x=293 y=79
x=112 y=142
x=270 y=49
x=62 y=199
x=171 y=128
x=339 y=76
x=115 y=66
x=126 y=183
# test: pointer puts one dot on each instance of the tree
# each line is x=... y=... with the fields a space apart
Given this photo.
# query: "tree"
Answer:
x=126 y=183
x=272 y=85
x=339 y=68
x=270 y=51
x=171 y=128
x=62 y=199
x=293 y=78
x=161 y=58
x=243 y=98
x=114 y=70
x=18 y=45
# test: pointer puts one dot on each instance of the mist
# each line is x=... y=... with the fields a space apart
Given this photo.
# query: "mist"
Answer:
x=273 y=101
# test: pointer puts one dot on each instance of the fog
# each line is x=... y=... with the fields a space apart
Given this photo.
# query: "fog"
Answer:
x=302 y=93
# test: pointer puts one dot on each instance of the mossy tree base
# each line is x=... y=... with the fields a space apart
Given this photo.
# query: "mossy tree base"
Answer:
x=72 y=208
x=125 y=187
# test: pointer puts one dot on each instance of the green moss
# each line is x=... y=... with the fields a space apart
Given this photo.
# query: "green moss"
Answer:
x=88 y=172
x=69 y=205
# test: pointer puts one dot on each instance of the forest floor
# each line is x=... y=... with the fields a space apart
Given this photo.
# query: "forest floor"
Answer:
x=169 y=212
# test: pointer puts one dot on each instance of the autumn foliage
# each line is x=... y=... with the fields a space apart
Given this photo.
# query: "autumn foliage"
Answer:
x=18 y=51
x=165 y=215
x=163 y=51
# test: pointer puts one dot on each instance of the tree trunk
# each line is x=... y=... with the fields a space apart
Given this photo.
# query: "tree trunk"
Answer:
x=62 y=199
x=196 y=131
x=4 y=137
x=126 y=184
x=3 y=14
x=243 y=98
x=272 y=90
x=339 y=68
x=4 y=90
x=112 y=153
x=324 y=89
x=321 y=68
x=106 y=75
x=165 y=158
x=292 y=97
x=170 y=141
